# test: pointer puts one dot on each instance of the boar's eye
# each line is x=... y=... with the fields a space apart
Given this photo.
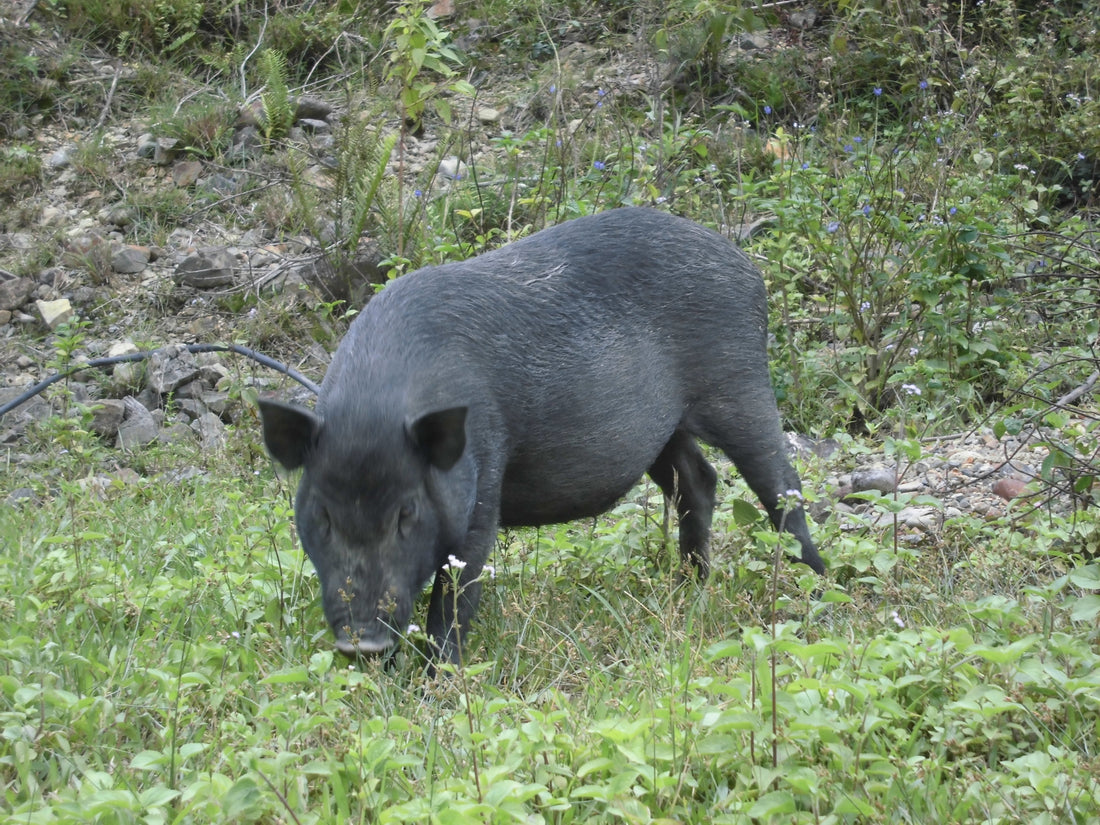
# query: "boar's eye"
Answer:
x=406 y=518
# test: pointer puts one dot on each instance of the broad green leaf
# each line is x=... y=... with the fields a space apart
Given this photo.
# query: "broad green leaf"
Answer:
x=1086 y=608
x=773 y=804
x=291 y=676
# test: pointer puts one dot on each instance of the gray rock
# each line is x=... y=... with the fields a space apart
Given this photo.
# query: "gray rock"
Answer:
x=191 y=408
x=248 y=143
x=350 y=281
x=223 y=184
x=128 y=374
x=312 y=108
x=803 y=18
x=138 y=426
x=165 y=151
x=15 y=421
x=925 y=519
x=750 y=42
x=805 y=446
x=186 y=172
x=314 y=127
x=452 y=168
x=146 y=146
x=193 y=389
x=171 y=367
x=218 y=403
x=21 y=241
x=179 y=432
x=882 y=479
x=211 y=370
x=205 y=269
x=210 y=430
x=62 y=158
x=129 y=260
x=15 y=292
x=107 y=416
x=22 y=496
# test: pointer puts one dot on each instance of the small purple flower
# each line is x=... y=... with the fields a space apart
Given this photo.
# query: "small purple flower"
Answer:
x=417 y=193
x=849 y=147
x=866 y=305
x=866 y=210
x=923 y=85
x=910 y=389
x=878 y=91
x=805 y=165
x=767 y=110
x=599 y=165
x=858 y=139
x=832 y=227
x=952 y=211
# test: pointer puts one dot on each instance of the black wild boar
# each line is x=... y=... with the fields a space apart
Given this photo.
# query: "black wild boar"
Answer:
x=534 y=384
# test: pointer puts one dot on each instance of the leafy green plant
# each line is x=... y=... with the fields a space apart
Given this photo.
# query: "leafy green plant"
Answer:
x=421 y=64
x=914 y=285
x=277 y=107
x=695 y=35
x=356 y=200
x=20 y=171
x=419 y=50
x=202 y=128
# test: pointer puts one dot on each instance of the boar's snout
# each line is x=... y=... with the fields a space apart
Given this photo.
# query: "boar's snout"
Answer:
x=367 y=626
x=363 y=646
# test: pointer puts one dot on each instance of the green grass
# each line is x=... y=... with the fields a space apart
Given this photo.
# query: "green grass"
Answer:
x=166 y=660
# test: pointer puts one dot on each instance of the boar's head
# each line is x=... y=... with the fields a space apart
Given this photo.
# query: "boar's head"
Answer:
x=380 y=507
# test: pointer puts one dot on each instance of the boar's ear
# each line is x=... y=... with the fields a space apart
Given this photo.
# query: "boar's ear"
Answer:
x=441 y=435
x=289 y=432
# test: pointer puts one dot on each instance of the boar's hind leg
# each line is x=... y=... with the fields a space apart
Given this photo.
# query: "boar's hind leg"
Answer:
x=688 y=480
x=755 y=444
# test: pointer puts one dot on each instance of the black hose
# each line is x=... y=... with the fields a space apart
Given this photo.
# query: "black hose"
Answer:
x=141 y=356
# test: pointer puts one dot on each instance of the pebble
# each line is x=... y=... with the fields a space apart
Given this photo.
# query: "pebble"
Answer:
x=1009 y=488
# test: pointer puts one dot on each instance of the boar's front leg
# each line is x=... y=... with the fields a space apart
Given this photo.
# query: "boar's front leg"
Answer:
x=455 y=595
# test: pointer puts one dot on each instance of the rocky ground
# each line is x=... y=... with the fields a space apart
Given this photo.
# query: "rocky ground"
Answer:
x=177 y=287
